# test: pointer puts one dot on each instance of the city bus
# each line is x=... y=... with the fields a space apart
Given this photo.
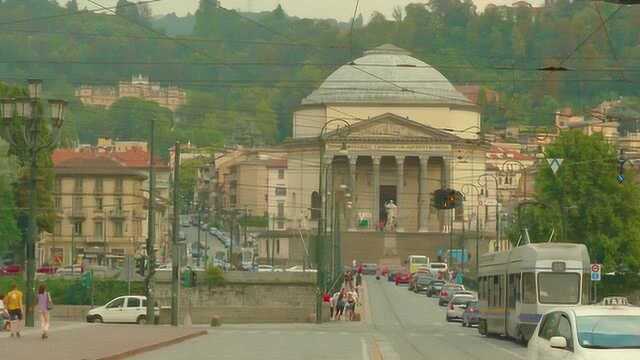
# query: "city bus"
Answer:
x=518 y=286
x=417 y=262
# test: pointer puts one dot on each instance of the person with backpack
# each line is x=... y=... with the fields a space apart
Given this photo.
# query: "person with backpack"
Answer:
x=44 y=306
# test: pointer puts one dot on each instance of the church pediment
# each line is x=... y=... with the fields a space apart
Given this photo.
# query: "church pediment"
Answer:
x=390 y=126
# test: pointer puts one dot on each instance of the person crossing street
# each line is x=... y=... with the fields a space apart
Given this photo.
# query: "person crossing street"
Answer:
x=14 y=305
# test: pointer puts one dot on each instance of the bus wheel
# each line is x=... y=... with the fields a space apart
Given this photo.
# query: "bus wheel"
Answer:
x=522 y=340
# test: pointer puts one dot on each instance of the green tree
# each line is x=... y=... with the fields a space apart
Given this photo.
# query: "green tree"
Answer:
x=585 y=196
x=9 y=233
x=72 y=5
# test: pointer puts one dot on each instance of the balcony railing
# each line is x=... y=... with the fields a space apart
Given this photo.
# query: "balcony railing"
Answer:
x=118 y=213
x=78 y=213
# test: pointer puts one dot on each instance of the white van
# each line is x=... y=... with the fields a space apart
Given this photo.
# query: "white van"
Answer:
x=436 y=267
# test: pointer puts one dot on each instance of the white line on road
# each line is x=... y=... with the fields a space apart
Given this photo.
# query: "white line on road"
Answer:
x=365 y=350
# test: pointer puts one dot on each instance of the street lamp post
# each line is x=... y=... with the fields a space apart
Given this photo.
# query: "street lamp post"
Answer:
x=26 y=114
x=321 y=222
x=485 y=176
x=475 y=188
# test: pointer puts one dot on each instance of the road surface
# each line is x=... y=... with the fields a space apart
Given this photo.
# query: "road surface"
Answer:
x=403 y=325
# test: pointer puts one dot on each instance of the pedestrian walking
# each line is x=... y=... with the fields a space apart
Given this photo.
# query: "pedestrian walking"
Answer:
x=44 y=306
x=348 y=279
x=332 y=304
x=4 y=315
x=358 y=280
x=15 y=307
x=341 y=303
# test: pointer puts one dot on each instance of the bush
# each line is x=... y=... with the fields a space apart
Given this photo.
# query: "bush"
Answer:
x=215 y=276
x=71 y=291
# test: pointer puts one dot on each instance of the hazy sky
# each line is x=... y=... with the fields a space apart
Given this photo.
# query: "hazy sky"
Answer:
x=338 y=9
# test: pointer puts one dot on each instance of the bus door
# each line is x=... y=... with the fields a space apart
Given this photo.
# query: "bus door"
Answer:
x=513 y=305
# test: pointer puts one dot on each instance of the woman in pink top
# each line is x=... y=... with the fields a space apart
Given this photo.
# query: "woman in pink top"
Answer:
x=44 y=305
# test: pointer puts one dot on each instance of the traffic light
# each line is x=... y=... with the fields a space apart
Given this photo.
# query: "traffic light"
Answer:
x=140 y=266
x=445 y=199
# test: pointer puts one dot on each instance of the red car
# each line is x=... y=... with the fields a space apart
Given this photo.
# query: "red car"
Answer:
x=46 y=269
x=403 y=277
x=10 y=270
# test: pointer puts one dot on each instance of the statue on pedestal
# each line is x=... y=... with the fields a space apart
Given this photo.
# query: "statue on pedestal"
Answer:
x=392 y=212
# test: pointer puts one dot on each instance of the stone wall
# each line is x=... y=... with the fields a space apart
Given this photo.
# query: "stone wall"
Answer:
x=246 y=297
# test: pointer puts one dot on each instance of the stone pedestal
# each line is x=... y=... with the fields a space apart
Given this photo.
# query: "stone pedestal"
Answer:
x=390 y=245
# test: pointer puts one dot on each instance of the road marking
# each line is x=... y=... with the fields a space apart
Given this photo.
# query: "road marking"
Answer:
x=365 y=351
x=438 y=335
x=512 y=353
x=274 y=332
x=461 y=334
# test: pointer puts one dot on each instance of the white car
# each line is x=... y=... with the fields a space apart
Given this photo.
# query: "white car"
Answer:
x=436 y=267
x=123 y=309
x=265 y=268
x=300 y=268
x=587 y=333
x=458 y=303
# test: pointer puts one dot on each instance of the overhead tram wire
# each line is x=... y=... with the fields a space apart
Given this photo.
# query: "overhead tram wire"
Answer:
x=79 y=12
x=177 y=40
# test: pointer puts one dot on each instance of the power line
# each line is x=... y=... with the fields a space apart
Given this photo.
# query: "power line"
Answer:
x=79 y=12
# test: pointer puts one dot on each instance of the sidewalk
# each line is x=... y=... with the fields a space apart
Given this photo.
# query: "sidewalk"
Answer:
x=82 y=341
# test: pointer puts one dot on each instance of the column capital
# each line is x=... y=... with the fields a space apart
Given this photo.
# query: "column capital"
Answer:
x=424 y=160
x=328 y=159
x=375 y=159
x=353 y=159
x=400 y=159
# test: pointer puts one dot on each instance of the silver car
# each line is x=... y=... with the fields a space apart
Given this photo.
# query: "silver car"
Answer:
x=447 y=293
x=457 y=305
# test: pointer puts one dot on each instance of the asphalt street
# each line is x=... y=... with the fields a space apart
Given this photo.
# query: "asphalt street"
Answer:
x=191 y=234
x=403 y=325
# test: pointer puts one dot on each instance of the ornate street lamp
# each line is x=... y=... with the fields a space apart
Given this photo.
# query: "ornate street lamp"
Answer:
x=320 y=277
x=24 y=113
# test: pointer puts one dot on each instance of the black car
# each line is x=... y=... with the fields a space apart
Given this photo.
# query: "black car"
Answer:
x=434 y=288
x=422 y=283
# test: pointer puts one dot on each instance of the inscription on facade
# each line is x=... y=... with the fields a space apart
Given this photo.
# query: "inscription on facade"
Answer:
x=391 y=147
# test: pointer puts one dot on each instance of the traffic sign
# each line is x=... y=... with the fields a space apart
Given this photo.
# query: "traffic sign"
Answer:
x=596 y=272
x=555 y=164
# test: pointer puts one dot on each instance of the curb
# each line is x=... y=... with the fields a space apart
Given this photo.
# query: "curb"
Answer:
x=144 y=349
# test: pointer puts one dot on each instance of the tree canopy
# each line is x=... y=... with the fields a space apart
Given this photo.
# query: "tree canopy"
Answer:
x=585 y=196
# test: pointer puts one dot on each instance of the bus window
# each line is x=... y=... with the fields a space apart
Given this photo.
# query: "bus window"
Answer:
x=586 y=289
x=496 y=291
x=558 y=288
x=513 y=290
x=528 y=288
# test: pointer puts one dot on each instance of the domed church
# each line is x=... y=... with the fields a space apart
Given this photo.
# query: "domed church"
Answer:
x=375 y=140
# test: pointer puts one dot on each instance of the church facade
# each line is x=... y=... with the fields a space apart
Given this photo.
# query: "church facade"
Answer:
x=369 y=148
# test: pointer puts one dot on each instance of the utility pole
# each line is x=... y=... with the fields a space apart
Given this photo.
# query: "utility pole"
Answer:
x=199 y=210
x=451 y=215
x=232 y=230
x=175 y=257
x=151 y=239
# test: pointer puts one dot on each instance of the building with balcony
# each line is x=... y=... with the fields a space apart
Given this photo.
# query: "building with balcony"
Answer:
x=101 y=200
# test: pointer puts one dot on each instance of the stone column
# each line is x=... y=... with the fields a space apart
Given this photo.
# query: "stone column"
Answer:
x=399 y=192
x=376 y=191
x=352 y=213
x=423 y=201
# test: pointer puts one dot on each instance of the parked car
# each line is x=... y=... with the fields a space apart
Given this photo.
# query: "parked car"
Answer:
x=422 y=283
x=369 y=269
x=615 y=300
x=265 y=268
x=12 y=269
x=69 y=270
x=402 y=277
x=457 y=305
x=434 y=288
x=123 y=309
x=300 y=268
x=447 y=293
x=391 y=272
x=46 y=269
x=471 y=314
x=587 y=332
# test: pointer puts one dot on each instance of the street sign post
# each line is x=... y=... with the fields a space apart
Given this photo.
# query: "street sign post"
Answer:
x=596 y=272
x=596 y=276
x=555 y=164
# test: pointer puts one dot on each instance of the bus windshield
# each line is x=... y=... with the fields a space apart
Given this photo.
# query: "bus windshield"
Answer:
x=558 y=288
x=418 y=259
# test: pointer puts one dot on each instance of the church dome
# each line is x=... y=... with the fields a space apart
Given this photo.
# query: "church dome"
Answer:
x=386 y=75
